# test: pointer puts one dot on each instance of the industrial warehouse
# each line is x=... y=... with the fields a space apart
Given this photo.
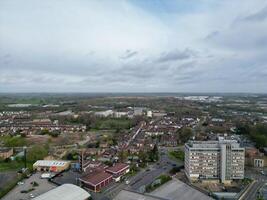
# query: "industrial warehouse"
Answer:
x=100 y=178
x=51 y=165
x=65 y=192
x=95 y=181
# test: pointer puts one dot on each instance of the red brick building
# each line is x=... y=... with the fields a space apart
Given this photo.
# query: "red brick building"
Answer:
x=96 y=180
x=118 y=170
x=101 y=177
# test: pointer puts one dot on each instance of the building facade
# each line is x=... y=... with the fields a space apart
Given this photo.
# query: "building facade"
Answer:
x=51 y=165
x=255 y=158
x=99 y=177
x=214 y=160
x=118 y=170
x=6 y=153
x=96 y=180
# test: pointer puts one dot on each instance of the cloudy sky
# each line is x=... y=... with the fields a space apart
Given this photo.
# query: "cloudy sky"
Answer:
x=133 y=46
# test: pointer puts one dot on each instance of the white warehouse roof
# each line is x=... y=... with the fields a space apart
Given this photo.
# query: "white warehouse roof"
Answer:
x=50 y=163
x=65 y=192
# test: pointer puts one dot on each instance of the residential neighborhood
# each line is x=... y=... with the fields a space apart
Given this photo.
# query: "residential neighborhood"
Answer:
x=135 y=153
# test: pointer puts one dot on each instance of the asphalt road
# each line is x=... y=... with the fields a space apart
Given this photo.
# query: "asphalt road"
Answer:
x=260 y=180
x=138 y=182
x=253 y=191
x=145 y=178
x=142 y=178
x=255 y=173
x=263 y=191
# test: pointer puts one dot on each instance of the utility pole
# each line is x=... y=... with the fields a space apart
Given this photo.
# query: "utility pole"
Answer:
x=25 y=156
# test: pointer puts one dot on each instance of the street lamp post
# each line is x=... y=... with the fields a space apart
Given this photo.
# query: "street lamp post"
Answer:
x=25 y=156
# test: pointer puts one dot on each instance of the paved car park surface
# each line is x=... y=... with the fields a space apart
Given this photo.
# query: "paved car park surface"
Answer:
x=67 y=177
x=43 y=186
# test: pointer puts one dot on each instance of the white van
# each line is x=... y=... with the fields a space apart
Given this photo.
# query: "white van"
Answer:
x=46 y=176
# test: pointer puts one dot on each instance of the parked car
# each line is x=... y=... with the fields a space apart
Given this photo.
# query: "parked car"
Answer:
x=20 y=183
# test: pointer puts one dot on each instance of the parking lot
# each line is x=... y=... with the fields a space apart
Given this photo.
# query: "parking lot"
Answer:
x=67 y=177
x=42 y=186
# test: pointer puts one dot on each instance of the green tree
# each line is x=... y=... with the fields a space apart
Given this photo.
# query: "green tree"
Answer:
x=15 y=141
x=153 y=155
x=185 y=134
x=142 y=156
x=257 y=133
x=123 y=155
x=36 y=152
x=242 y=129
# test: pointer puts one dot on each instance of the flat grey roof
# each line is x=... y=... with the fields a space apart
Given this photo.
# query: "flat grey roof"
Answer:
x=172 y=190
x=65 y=192
x=128 y=195
x=212 y=144
x=178 y=190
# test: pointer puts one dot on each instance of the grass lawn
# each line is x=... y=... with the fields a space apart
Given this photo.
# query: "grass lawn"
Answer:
x=11 y=166
x=176 y=155
x=112 y=124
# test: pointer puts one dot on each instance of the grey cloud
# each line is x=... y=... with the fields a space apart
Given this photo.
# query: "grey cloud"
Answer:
x=8 y=55
x=176 y=55
x=212 y=35
x=22 y=79
x=185 y=66
x=80 y=66
x=128 y=54
x=90 y=53
x=73 y=49
x=239 y=36
x=259 y=16
x=135 y=71
x=6 y=59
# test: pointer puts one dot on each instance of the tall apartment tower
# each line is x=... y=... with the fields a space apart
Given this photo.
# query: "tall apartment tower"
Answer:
x=214 y=160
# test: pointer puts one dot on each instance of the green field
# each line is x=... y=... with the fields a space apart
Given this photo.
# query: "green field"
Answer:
x=10 y=166
x=177 y=155
x=112 y=124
